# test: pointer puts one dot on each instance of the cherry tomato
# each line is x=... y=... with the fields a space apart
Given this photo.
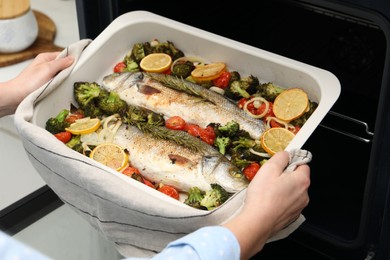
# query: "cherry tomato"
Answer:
x=260 y=110
x=208 y=135
x=169 y=190
x=251 y=170
x=242 y=102
x=119 y=67
x=129 y=171
x=168 y=71
x=296 y=129
x=175 y=123
x=149 y=183
x=71 y=118
x=274 y=123
x=223 y=80
x=64 y=136
x=193 y=129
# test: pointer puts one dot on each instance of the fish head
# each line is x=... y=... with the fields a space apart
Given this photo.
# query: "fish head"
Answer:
x=117 y=81
x=216 y=169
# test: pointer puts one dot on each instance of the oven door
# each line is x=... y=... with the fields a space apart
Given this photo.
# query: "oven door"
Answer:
x=346 y=217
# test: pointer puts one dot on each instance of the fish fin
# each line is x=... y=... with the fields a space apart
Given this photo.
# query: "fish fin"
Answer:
x=181 y=160
x=147 y=89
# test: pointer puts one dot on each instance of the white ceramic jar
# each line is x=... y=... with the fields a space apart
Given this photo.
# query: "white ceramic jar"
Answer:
x=18 y=33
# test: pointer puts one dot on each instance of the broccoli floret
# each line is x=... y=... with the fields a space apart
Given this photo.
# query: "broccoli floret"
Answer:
x=223 y=143
x=183 y=69
x=214 y=197
x=234 y=76
x=85 y=92
x=236 y=91
x=111 y=103
x=139 y=51
x=93 y=110
x=269 y=91
x=195 y=195
x=75 y=143
x=250 y=84
x=302 y=119
x=58 y=124
x=241 y=87
x=131 y=65
x=240 y=162
x=230 y=129
x=168 y=48
x=136 y=115
x=243 y=142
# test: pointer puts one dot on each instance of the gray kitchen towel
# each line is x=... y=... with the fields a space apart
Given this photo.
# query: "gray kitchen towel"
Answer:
x=137 y=220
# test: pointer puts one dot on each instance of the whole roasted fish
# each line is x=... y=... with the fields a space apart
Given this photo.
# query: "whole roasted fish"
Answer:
x=167 y=162
x=172 y=96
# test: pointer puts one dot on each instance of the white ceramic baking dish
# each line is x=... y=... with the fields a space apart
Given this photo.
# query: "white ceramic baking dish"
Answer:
x=140 y=26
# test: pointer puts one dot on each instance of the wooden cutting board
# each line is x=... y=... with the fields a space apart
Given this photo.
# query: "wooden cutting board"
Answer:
x=43 y=43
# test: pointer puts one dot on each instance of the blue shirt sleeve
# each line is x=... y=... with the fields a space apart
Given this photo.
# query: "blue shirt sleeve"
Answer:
x=214 y=243
x=11 y=249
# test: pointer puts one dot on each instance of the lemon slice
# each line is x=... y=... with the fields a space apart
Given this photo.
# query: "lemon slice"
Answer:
x=84 y=126
x=111 y=155
x=208 y=72
x=290 y=104
x=276 y=139
x=156 y=62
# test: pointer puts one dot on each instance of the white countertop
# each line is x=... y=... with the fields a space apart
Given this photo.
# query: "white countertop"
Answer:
x=18 y=178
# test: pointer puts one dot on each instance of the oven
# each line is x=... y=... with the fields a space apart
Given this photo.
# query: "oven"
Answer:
x=349 y=212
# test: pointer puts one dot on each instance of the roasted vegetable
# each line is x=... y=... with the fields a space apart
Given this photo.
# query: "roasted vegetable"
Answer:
x=111 y=103
x=223 y=143
x=230 y=129
x=234 y=76
x=168 y=48
x=92 y=110
x=269 y=91
x=214 y=197
x=244 y=142
x=131 y=65
x=85 y=92
x=183 y=69
x=300 y=121
x=243 y=87
x=96 y=101
x=58 y=124
x=195 y=196
x=139 y=51
x=75 y=143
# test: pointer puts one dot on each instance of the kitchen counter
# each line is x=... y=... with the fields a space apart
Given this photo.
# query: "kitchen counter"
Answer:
x=61 y=233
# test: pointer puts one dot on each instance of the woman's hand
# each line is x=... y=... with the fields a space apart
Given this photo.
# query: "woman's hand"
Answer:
x=274 y=199
x=44 y=67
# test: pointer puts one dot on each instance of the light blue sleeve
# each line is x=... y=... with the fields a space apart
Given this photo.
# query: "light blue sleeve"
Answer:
x=214 y=243
x=11 y=249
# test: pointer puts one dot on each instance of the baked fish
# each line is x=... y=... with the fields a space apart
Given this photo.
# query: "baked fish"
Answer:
x=164 y=161
x=195 y=104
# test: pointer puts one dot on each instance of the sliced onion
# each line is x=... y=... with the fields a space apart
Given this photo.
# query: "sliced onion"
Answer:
x=194 y=59
x=259 y=154
x=284 y=123
x=261 y=99
x=110 y=126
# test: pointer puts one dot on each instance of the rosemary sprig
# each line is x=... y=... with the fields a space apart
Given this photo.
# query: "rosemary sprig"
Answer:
x=179 y=137
x=176 y=83
x=152 y=123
